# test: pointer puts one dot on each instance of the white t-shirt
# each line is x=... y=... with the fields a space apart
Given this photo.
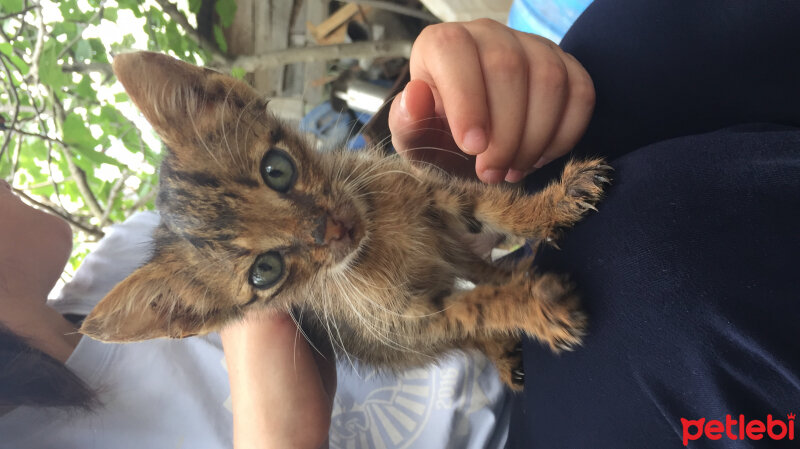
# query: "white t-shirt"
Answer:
x=154 y=394
x=175 y=393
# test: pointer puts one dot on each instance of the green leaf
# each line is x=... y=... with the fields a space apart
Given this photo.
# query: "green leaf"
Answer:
x=132 y=5
x=11 y=6
x=5 y=164
x=121 y=97
x=44 y=190
x=220 y=38
x=194 y=6
x=68 y=28
x=50 y=70
x=175 y=40
x=8 y=50
x=98 y=50
x=71 y=12
x=77 y=134
x=110 y=13
x=85 y=89
x=238 y=73
x=83 y=50
x=226 y=10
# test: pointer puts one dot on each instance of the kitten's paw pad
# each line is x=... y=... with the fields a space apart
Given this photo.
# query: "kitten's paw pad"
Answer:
x=559 y=321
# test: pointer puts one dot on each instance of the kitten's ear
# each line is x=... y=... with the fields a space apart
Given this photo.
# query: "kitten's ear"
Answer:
x=176 y=97
x=151 y=303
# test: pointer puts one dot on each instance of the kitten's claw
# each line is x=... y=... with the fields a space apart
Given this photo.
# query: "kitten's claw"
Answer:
x=518 y=376
x=552 y=242
x=602 y=179
x=582 y=184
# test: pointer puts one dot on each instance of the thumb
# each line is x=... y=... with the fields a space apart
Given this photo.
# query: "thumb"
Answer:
x=412 y=116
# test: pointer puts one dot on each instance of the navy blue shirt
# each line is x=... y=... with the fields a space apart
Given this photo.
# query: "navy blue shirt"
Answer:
x=689 y=272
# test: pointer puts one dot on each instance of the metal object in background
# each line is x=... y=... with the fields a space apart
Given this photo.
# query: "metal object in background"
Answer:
x=361 y=96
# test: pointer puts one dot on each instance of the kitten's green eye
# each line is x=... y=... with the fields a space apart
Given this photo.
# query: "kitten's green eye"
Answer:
x=267 y=270
x=278 y=170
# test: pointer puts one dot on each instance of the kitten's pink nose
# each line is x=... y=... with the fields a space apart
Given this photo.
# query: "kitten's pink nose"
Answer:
x=337 y=230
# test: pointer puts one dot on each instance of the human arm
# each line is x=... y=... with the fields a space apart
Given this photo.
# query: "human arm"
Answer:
x=282 y=390
x=511 y=100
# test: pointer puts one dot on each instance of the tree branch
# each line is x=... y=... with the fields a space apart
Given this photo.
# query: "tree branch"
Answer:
x=13 y=90
x=40 y=136
x=178 y=17
x=37 y=49
x=142 y=201
x=80 y=67
x=18 y=13
x=112 y=196
x=79 y=176
x=91 y=230
x=79 y=36
x=385 y=49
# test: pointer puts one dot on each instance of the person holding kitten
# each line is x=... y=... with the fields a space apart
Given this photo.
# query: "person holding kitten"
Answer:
x=686 y=272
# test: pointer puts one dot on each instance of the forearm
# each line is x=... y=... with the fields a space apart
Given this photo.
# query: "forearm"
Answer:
x=278 y=396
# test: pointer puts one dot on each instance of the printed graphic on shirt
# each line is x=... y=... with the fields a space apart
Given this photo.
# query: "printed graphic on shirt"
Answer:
x=378 y=411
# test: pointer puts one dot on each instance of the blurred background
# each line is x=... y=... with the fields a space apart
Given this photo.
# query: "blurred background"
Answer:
x=73 y=144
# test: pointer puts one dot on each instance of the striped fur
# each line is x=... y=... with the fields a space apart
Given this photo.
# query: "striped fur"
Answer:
x=372 y=245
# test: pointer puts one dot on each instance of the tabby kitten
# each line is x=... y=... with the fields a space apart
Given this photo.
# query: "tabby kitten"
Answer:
x=367 y=249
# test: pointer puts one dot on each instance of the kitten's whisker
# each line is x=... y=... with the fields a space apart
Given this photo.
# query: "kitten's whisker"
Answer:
x=369 y=326
x=445 y=150
x=406 y=130
x=222 y=110
x=301 y=331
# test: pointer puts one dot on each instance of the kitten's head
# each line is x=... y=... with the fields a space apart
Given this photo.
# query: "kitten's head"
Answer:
x=249 y=212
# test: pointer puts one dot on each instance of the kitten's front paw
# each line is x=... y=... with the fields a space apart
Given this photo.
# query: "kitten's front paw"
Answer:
x=556 y=318
x=506 y=354
x=582 y=186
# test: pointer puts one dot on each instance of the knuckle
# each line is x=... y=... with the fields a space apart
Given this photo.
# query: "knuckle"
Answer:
x=504 y=61
x=486 y=23
x=550 y=75
x=443 y=34
x=583 y=92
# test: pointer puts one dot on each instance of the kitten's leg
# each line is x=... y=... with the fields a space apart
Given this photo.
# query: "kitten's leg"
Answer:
x=505 y=352
x=541 y=215
x=542 y=305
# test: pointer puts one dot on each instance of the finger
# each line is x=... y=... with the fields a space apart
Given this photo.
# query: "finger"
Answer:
x=548 y=87
x=446 y=57
x=505 y=77
x=577 y=112
x=411 y=117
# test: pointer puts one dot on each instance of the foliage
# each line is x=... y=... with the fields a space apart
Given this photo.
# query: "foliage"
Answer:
x=70 y=138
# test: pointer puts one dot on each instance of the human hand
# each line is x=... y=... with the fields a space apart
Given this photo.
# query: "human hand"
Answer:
x=511 y=101
x=282 y=389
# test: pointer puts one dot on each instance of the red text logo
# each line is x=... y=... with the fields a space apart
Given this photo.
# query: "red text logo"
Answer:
x=738 y=429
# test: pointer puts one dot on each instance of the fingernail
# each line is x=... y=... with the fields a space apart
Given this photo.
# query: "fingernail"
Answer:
x=474 y=141
x=493 y=176
x=541 y=162
x=403 y=108
x=514 y=176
